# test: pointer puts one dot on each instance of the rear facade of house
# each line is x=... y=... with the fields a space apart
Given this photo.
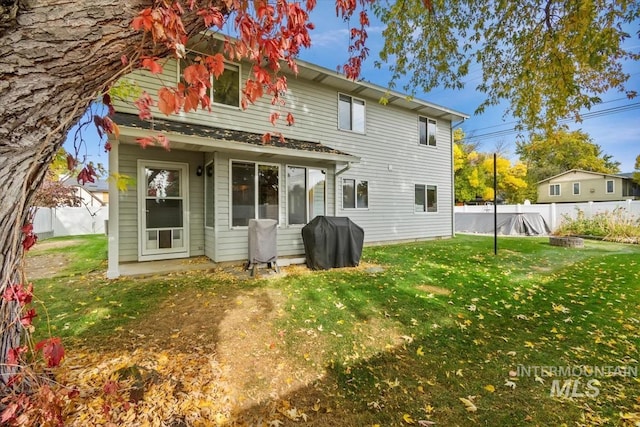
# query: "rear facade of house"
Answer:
x=386 y=167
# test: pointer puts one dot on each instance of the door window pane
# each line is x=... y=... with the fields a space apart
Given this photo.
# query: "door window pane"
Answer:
x=162 y=183
x=268 y=192
x=164 y=213
x=317 y=193
x=296 y=187
x=209 y=200
x=243 y=193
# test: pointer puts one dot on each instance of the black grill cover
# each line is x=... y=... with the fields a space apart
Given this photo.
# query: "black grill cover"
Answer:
x=331 y=241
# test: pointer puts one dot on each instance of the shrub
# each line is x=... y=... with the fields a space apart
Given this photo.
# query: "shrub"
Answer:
x=617 y=226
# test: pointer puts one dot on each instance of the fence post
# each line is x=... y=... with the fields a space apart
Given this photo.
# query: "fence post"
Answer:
x=552 y=214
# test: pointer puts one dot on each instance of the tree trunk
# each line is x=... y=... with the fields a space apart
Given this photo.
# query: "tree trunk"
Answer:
x=55 y=56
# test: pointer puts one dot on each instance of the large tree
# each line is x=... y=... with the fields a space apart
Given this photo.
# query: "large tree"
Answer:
x=56 y=57
x=549 y=154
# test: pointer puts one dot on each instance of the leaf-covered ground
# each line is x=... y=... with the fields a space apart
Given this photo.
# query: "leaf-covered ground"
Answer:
x=430 y=333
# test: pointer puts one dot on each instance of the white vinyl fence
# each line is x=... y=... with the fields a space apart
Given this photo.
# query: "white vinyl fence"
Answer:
x=553 y=213
x=54 y=222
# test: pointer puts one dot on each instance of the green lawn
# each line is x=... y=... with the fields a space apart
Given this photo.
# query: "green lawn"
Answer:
x=443 y=332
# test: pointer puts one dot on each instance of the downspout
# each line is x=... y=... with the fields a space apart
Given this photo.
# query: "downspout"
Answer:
x=453 y=182
x=335 y=187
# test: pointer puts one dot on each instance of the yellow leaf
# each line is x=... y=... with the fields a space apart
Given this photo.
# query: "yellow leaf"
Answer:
x=407 y=419
x=529 y=344
x=419 y=351
x=490 y=388
x=421 y=389
x=468 y=404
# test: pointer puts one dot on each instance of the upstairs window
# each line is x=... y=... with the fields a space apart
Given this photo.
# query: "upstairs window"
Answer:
x=428 y=128
x=554 y=189
x=351 y=113
x=225 y=89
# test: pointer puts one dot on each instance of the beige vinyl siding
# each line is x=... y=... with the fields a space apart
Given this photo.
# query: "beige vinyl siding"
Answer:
x=129 y=233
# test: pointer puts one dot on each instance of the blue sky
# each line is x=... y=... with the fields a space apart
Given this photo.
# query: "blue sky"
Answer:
x=614 y=125
x=617 y=130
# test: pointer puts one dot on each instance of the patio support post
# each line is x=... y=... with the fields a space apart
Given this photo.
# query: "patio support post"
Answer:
x=114 y=202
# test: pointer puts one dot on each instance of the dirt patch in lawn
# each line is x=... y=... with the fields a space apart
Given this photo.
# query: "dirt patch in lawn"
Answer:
x=436 y=290
x=40 y=263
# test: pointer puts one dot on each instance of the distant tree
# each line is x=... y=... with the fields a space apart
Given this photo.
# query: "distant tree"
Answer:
x=560 y=151
x=636 y=174
x=54 y=193
x=474 y=174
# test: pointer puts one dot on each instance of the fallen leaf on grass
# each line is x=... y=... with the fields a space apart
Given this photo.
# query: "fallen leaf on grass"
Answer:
x=407 y=419
x=468 y=404
x=490 y=388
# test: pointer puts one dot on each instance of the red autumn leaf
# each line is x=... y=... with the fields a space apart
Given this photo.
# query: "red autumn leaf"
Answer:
x=290 y=119
x=151 y=64
x=143 y=20
x=19 y=293
x=110 y=387
x=107 y=147
x=71 y=162
x=266 y=138
x=27 y=228
x=197 y=74
x=215 y=64
x=29 y=241
x=273 y=118
x=281 y=137
x=212 y=16
x=52 y=350
x=144 y=141
x=27 y=319
x=163 y=141
x=167 y=101
x=144 y=104
x=87 y=174
x=191 y=100
x=124 y=59
x=9 y=412
x=13 y=355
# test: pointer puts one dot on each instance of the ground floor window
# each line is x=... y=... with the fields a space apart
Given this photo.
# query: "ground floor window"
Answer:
x=306 y=194
x=426 y=198
x=355 y=194
x=254 y=192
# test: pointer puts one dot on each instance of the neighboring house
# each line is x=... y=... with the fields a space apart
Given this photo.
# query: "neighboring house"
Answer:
x=93 y=194
x=387 y=167
x=583 y=186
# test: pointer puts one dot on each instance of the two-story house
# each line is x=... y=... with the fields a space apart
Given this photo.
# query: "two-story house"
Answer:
x=386 y=167
x=578 y=185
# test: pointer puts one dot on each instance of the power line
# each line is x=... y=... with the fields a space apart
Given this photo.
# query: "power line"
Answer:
x=586 y=116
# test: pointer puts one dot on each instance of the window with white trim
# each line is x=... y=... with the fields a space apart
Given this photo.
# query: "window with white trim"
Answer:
x=223 y=90
x=355 y=194
x=306 y=194
x=427 y=129
x=576 y=188
x=426 y=198
x=610 y=187
x=351 y=113
x=254 y=192
x=554 y=189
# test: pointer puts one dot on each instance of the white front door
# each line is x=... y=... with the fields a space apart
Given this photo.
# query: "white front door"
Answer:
x=163 y=217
